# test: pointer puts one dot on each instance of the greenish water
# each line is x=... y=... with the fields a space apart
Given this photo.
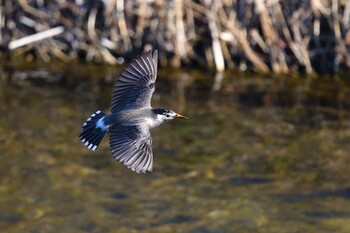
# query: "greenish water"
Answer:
x=257 y=155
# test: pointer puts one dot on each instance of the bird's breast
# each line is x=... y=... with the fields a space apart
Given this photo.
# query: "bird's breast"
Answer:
x=151 y=122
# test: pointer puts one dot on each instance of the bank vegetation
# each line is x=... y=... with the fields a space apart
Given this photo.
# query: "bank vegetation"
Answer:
x=278 y=36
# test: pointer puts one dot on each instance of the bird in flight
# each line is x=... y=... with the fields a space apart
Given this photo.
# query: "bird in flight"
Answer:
x=131 y=116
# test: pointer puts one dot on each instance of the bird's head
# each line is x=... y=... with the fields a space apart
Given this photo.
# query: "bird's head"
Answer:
x=164 y=115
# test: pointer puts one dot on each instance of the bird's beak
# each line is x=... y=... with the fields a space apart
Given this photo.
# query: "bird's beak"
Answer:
x=180 y=116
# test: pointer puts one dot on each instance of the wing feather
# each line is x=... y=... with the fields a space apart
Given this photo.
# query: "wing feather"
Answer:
x=141 y=66
x=150 y=65
x=130 y=158
x=147 y=165
x=135 y=85
x=132 y=146
x=137 y=68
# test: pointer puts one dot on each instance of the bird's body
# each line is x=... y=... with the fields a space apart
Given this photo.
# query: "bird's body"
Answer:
x=131 y=116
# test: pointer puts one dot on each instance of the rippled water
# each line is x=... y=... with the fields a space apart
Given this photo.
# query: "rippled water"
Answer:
x=258 y=154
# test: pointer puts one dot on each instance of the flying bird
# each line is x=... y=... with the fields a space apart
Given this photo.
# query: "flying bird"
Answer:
x=131 y=116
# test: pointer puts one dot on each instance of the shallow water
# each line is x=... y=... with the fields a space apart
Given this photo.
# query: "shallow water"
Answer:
x=258 y=154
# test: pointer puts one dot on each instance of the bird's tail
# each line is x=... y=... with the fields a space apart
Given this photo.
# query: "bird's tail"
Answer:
x=93 y=131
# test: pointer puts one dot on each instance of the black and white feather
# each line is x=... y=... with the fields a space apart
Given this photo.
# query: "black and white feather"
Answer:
x=135 y=85
x=132 y=146
x=92 y=131
x=132 y=116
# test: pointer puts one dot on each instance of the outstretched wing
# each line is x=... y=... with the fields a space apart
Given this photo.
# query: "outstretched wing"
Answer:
x=135 y=85
x=132 y=146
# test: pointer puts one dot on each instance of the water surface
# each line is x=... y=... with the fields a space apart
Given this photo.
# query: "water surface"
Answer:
x=258 y=154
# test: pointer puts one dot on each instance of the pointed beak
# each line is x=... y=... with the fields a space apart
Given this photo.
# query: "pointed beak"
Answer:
x=180 y=116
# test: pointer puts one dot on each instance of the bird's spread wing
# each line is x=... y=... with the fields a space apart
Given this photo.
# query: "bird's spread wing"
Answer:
x=135 y=85
x=132 y=146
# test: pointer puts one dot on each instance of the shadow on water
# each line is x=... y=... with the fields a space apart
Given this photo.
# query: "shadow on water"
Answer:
x=258 y=154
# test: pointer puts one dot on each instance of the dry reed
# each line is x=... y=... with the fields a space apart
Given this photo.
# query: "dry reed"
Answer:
x=307 y=36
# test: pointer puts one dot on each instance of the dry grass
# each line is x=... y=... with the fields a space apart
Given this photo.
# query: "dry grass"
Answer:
x=307 y=36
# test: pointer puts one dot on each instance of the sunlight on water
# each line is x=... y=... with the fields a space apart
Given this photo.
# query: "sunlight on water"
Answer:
x=258 y=154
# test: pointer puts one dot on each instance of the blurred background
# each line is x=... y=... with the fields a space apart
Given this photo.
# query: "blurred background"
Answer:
x=265 y=86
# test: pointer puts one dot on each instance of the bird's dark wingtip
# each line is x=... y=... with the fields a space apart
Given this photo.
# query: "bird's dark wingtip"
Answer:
x=149 y=53
x=155 y=53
